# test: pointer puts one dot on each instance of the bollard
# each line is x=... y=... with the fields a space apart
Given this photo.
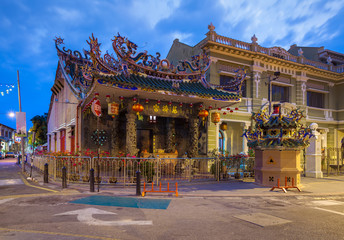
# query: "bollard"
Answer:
x=46 y=173
x=91 y=180
x=138 y=183
x=64 y=177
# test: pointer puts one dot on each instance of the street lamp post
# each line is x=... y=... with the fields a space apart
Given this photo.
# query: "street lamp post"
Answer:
x=22 y=138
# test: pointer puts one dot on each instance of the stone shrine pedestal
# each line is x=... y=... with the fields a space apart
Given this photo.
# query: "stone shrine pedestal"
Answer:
x=273 y=164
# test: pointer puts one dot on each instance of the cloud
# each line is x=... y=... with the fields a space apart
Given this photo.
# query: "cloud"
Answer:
x=277 y=21
x=36 y=38
x=183 y=37
x=152 y=12
x=68 y=15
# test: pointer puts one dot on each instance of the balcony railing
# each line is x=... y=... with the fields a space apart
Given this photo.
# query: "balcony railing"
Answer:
x=271 y=52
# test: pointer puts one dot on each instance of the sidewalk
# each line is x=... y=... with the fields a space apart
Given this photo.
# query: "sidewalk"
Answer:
x=333 y=185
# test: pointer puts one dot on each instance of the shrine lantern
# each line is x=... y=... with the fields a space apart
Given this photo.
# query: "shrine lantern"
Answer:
x=215 y=117
x=137 y=108
x=203 y=114
x=223 y=126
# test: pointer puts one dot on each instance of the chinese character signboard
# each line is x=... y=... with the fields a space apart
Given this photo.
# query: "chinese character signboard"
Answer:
x=21 y=124
x=113 y=108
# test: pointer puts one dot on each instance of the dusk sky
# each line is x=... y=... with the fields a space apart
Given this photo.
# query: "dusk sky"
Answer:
x=28 y=28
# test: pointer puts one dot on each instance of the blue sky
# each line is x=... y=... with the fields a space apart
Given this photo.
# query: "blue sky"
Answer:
x=28 y=27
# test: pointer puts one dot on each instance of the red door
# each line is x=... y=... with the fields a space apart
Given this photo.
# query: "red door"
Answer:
x=63 y=140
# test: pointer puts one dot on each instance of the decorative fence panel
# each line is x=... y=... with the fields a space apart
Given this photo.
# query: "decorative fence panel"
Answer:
x=122 y=171
x=332 y=162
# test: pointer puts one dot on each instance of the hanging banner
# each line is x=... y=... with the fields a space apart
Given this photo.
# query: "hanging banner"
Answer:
x=113 y=108
x=21 y=124
x=96 y=108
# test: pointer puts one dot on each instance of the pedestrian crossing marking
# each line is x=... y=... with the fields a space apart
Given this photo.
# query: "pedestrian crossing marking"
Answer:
x=11 y=182
x=261 y=219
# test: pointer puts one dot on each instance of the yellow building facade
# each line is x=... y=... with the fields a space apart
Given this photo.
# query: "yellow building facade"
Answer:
x=308 y=78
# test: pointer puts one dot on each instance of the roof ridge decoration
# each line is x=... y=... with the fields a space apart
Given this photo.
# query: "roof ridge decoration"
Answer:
x=72 y=64
x=134 y=70
x=236 y=83
x=132 y=62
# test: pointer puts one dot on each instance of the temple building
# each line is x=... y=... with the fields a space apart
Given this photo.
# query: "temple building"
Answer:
x=134 y=103
x=310 y=79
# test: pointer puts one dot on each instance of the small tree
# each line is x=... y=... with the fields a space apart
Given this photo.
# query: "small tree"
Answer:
x=40 y=129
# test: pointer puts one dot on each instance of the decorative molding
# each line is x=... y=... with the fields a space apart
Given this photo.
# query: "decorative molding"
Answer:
x=315 y=86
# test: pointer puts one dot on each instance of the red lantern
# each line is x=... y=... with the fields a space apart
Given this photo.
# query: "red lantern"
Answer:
x=224 y=113
x=180 y=104
x=215 y=117
x=236 y=109
x=169 y=103
x=134 y=99
x=137 y=108
x=147 y=100
x=203 y=114
x=228 y=109
x=210 y=107
x=231 y=111
x=158 y=102
x=219 y=109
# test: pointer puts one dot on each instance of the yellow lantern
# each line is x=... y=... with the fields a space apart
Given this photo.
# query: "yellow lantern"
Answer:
x=223 y=126
x=215 y=117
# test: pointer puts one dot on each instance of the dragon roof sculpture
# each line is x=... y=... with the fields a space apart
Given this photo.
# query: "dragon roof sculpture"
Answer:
x=134 y=70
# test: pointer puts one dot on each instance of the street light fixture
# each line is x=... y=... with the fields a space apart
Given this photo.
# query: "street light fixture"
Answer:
x=11 y=114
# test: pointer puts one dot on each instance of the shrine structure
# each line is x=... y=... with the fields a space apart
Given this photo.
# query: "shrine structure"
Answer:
x=277 y=140
x=145 y=105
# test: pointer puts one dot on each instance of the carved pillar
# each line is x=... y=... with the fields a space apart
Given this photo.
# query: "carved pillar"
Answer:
x=131 y=135
x=313 y=154
x=193 y=126
x=171 y=132
x=114 y=138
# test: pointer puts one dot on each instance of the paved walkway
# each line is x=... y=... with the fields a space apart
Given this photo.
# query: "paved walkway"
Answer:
x=333 y=185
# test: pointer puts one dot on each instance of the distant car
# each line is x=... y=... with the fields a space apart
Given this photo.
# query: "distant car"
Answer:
x=10 y=155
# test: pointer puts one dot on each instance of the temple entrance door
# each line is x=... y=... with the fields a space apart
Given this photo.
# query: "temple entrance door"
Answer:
x=145 y=140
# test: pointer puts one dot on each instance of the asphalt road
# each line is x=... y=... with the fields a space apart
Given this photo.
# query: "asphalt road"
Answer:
x=28 y=212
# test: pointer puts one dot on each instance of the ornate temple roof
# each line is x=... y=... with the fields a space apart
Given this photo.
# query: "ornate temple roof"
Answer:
x=132 y=71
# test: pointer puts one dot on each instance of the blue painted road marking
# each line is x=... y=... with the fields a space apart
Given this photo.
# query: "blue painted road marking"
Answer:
x=131 y=202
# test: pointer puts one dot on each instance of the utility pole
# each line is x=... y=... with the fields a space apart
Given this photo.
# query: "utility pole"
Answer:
x=22 y=138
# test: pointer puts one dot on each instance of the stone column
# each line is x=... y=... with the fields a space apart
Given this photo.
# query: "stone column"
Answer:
x=313 y=154
x=114 y=137
x=131 y=135
x=171 y=132
x=194 y=132
x=244 y=140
